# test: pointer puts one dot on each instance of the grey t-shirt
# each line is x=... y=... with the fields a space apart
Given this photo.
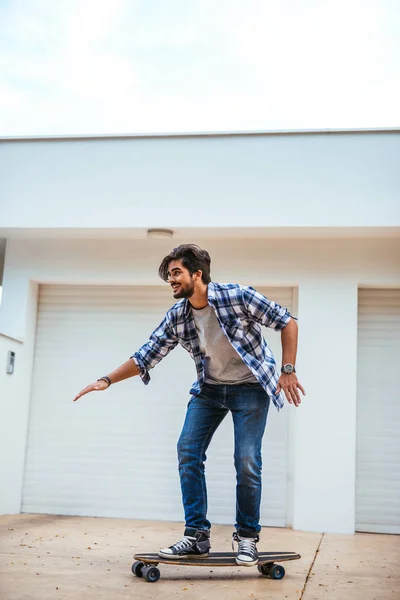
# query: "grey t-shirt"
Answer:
x=222 y=364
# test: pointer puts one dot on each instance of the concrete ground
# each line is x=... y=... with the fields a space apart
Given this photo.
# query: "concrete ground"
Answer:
x=45 y=557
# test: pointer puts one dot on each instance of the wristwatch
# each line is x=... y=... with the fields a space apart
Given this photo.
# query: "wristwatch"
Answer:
x=288 y=369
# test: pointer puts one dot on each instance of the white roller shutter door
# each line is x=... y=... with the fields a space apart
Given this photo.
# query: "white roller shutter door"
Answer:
x=114 y=453
x=378 y=412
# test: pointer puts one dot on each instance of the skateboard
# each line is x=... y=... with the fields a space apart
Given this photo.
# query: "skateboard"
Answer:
x=145 y=565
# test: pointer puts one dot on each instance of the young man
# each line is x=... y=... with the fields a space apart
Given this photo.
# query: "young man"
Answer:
x=220 y=326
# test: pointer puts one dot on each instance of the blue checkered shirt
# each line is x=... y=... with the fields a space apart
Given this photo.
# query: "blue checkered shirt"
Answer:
x=240 y=311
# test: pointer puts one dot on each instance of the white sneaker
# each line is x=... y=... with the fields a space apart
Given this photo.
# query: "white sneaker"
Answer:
x=194 y=544
x=247 y=554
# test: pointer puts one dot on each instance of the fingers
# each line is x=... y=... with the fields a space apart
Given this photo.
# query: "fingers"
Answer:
x=302 y=389
x=296 y=396
x=99 y=385
x=89 y=388
x=288 y=391
x=292 y=392
x=287 y=394
x=86 y=390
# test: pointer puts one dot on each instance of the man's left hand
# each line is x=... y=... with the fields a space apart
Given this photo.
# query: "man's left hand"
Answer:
x=291 y=386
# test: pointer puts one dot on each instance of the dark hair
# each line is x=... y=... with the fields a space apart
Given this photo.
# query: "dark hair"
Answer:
x=193 y=259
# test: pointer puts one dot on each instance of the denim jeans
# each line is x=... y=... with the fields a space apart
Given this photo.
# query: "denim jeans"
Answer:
x=249 y=405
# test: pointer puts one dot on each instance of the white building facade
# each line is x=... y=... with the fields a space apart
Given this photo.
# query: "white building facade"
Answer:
x=311 y=219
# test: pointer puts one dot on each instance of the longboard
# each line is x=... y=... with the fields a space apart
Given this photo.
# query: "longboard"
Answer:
x=145 y=565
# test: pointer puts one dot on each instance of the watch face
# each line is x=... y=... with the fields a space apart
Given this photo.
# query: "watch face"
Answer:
x=288 y=369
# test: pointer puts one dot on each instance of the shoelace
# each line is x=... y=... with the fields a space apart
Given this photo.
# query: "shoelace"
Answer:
x=184 y=543
x=246 y=545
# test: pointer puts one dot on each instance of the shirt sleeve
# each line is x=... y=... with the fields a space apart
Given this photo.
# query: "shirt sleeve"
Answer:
x=161 y=342
x=264 y=311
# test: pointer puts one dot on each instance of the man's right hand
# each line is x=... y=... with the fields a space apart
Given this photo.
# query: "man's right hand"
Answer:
x=97 y=386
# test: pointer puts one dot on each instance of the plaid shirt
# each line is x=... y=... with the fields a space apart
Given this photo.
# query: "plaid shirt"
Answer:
x=240 y=311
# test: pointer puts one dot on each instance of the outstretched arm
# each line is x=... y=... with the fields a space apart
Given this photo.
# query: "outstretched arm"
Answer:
x=161 y=342
x=126 y=370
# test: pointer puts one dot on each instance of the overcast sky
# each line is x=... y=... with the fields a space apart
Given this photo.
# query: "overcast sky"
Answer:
x=130 y=66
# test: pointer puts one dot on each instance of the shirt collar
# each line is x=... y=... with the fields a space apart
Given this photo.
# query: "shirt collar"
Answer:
x=211 y=291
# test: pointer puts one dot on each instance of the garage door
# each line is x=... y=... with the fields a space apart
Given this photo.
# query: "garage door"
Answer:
x=378 y=412
x=114 y=453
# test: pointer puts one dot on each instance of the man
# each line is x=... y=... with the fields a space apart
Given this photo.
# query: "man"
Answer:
x=220 y=326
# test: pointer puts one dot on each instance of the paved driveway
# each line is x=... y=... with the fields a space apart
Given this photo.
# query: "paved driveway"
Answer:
x=45 y=557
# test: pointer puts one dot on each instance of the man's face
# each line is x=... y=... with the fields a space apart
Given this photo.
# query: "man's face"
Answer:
x=181 y=281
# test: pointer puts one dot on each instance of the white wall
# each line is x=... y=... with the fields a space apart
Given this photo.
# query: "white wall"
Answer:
x=135 y=262
x=297 y=180
x=327 y=274
x=14 y=408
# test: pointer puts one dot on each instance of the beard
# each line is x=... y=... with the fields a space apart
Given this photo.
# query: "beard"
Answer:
x=184 y=291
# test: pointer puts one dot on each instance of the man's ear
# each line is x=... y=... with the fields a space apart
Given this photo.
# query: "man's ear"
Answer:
x=199 y=274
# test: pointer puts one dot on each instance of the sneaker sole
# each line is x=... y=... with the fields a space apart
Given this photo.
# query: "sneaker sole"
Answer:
x=246 y=563
x=179 y=556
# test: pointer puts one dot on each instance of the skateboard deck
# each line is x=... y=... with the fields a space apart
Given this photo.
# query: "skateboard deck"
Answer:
x=145 y=565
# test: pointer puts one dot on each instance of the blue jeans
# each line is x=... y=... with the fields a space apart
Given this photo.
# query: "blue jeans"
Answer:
x=249 y=405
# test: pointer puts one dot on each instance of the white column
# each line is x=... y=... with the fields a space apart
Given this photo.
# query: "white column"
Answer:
x=325 y=424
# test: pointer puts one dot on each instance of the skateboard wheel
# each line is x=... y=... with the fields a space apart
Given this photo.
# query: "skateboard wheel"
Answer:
x=276 y=572
x=137 y=568
x=264 y=569
x=151 y=574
